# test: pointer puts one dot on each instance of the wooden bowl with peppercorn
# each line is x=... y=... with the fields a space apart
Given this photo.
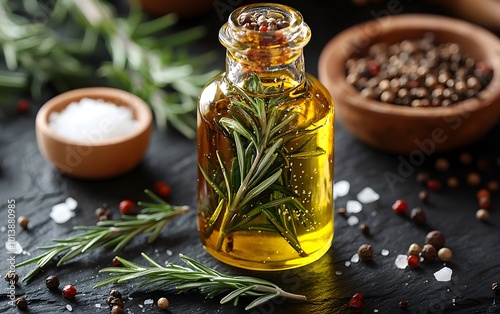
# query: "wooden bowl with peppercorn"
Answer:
x=414 y=83
x=94 y=133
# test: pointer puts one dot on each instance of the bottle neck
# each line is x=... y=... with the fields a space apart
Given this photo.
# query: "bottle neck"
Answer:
x=281 y=76
x=267 y=40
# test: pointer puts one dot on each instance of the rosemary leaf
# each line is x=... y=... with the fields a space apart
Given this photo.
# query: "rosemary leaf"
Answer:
x=196 y=276
x=116 y=234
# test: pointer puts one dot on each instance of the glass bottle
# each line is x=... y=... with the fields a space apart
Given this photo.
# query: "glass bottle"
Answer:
x=265 y=147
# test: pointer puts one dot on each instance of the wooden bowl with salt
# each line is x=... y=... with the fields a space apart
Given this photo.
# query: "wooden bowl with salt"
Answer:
x=97 y=156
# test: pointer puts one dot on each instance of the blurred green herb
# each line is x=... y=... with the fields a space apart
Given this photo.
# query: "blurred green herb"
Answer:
x=58 y=44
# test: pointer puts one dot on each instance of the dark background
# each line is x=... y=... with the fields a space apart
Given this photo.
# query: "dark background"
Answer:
x=327 y=283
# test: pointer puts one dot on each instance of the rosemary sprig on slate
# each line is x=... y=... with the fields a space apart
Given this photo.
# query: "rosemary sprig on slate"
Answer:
x=256 y=181
x=117 y=234
x=196 y=276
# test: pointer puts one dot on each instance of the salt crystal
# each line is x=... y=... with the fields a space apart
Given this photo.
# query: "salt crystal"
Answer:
x=92 y=121
x=353 y=207
x=367 y=195
x=338 y=273
x=71 y=203
x=169 y=253
x=14 y=247
x=148 y=301
x=373 y=214
x=69 y=307
x=3 y=229
x=341 y=189
x=444 y=274
x=401 y=261
x=375 y=311
x=352 y=220
x=347 y=263
x=384 y=252
x=98 y=306
x=61 y=213
x=355 y=258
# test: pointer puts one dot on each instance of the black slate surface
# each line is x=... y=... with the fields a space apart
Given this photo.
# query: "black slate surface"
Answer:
x=328 y=283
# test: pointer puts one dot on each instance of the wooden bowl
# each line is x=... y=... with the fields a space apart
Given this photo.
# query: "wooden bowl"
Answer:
x=403 y=130
x=94 y=159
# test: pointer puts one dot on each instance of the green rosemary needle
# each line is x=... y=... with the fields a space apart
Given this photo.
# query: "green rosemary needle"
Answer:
x=196 y=276
x=151 y=219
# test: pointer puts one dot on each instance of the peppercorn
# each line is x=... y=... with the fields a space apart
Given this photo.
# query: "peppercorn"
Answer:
x=403 y=304
x=482 y=215
x=52 y=282
x=441 y=164
x=162 y=189
x=69 y=291
x=127 y=207
x=23 y=106
x=117 y=310
x=496 y=288
x=423 y=196
x=423 y=177
x=465 y=158
x=434 y=185
x=21 y=303
x=414 y=249
x=418 y=215
x=116 y=294
x=429 y=253
x=365 y=252
x=482 y=165
x=436 y=238
x=23 y=221
x=445 y=254
x=484 y=203
x=112 y=301
x=452 y=182
x=163 y=303
x=413 y=261
x=364 y=229
x=493 y=186
x=473 y=179
x=483 y=193
x=341 y=211
x=356 y=302
x=11 y=277
x=116 y=262
x=400 y=207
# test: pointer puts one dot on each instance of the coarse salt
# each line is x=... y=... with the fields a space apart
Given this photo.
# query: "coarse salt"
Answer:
x=14 y=247
x=367 y=195
x=401 y=261
x=444 y=274
x=341 y=188
x=92 y=121
x=352 y=221
x=353 y=207
x=384 y=252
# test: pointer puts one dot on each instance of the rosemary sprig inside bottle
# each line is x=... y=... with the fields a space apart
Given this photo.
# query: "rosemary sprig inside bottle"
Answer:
x=109 y=233
x=196 y=276
x=256 y=181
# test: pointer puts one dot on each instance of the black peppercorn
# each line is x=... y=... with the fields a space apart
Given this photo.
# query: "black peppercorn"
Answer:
x=418 y=215
x=403 y=304
x=429 y=253
x=21 y=303
x=365 y=252
x=423 y=196
x=117 y=310
x=52 y=282
x=11 y=277
x=364 y=229
x=116 y=294
x=341 y=211
x=436 y=238
x=496 y=288
x=423 y=177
